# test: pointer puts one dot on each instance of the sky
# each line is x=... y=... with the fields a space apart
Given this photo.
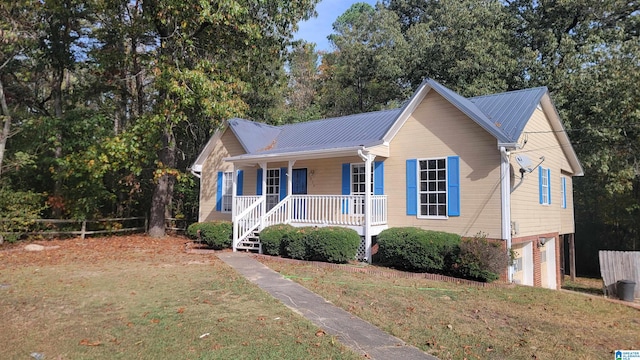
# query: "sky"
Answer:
x=317 y=29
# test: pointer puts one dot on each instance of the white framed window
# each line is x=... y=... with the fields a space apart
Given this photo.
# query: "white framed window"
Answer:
x=545 y=185
x=358 y=185
x=432 y=188
x=273 y=187
x=227 y=191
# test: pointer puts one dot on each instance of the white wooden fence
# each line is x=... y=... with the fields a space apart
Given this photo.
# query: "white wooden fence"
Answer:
x=619 y=265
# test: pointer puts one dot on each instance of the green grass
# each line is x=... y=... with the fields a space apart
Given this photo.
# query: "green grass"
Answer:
x=454 y=321
x=147 y=306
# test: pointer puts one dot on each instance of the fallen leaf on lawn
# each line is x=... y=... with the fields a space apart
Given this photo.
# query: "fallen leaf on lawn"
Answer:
x=320 y=332
x=155 y=321
x=180 y=311
x=86 y=342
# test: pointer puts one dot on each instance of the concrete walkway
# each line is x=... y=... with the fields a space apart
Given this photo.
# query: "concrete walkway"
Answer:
x=352 y=331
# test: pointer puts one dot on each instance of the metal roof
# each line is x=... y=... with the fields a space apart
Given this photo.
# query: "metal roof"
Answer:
x=510 y=111
x=503 y=115
x=253 y=136
x=353 y=130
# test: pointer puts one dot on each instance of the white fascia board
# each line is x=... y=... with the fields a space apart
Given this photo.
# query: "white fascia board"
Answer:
x=561 y=134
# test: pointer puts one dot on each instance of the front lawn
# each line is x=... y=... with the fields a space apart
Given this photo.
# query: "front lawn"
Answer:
x=453 y=321
x=138 y=298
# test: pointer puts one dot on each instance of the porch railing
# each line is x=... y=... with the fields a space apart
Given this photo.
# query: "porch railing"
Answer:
x=243 y=202
x=335 y=210
x=247 y=220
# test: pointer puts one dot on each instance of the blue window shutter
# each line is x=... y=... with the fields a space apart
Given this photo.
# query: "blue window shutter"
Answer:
x=453 y=178
x=378 y=178
x=240 y=182
x=219 y=192
x=412 y=187
x=346 y=179
x=540 y=183
x=549 y=185
x=283 y=182
x=346 y=186
x=259 y=182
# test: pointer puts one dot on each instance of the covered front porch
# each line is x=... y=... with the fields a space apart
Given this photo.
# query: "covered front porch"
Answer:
x=283 y=197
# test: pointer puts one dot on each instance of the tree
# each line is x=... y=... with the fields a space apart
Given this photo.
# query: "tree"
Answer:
x=203 y=51
x=365 y=72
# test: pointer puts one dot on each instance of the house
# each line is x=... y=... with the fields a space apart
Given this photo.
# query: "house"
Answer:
x=500 y=164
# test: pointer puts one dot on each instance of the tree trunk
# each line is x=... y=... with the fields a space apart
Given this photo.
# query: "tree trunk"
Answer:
x=163 y=192
x=6 y=127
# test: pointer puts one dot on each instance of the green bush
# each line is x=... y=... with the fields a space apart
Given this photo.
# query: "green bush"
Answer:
x=416 y=249
x=332 y=244
x=480 y=259
x=295 y=244
x=274 y=239
x=216 y=234
x=18 y=209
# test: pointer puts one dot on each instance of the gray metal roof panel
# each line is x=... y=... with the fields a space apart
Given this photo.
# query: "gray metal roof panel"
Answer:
x=358 y=129
x=510 y=111
x=253 y=136
x=352 y=130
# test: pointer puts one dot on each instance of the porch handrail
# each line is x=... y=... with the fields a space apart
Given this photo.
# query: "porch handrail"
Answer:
x=278 y=214
x=247 y=220
x=244 y=201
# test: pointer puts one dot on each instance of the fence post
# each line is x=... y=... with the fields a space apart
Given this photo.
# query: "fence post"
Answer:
x=84 y=229
x=146 y=224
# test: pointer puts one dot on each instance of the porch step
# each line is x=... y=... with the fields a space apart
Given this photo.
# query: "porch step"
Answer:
x=251 y=243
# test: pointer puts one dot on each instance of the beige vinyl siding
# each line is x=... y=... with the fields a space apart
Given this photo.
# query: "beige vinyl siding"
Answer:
x=532 y=217
x=438 y=129
x=225 y=145
x=324 y=176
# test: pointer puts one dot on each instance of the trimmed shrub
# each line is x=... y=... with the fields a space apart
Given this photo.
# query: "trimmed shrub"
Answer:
x=415 y=249
x=274 y=239
x=216 y=234
x=295 y=244
x=332 y=244
x=480 y=259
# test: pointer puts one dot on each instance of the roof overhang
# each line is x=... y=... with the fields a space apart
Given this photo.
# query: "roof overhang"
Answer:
x=561 y=133
x=251 y=159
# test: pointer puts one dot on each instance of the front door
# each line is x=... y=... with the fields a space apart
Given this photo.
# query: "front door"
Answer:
x=299 y=182
x=299 y=187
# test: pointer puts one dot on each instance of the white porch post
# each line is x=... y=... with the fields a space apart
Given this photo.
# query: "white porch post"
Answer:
x=263 y=209
x=290 y=188
x=368 y=161
x=234 y=242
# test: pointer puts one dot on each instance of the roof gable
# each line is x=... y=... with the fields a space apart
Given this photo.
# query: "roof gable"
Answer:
x=504 y=116
x=510 y=111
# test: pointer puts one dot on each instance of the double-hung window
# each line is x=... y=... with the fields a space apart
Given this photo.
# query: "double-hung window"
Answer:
x=358 y=186
x=544 y=176
x=227 y=191
x=432 y=187
x=273 y=187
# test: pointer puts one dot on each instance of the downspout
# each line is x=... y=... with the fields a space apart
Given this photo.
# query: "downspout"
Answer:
x=505 y=190
x=368 y=159
x=196 y=174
